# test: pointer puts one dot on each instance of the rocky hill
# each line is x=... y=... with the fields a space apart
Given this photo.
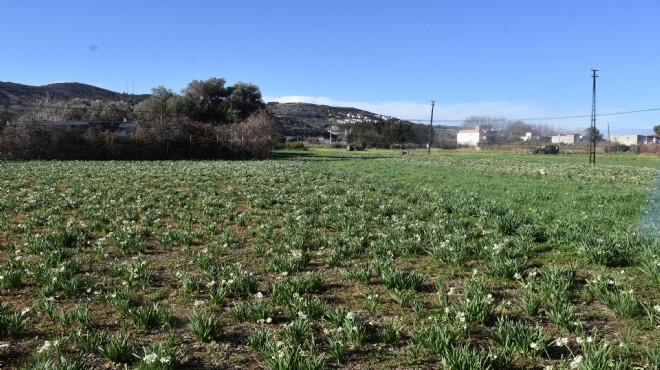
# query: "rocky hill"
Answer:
x=309 y=120
x=19 y=94
x=313 y=120
x=300 y=120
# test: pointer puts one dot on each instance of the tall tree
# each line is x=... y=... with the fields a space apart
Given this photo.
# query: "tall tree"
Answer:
x=156 y=109
x=593 y=133
x=244 y=99
x=206 y=101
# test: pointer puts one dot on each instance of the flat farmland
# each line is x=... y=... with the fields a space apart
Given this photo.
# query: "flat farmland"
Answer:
x=332 y=259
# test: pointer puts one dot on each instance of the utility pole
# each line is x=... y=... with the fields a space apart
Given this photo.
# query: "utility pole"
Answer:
x=592 y=145
x=431 y=127
x=608 y=137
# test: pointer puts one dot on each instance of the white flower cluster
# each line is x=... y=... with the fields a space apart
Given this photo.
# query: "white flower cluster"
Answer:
x=497 y=248
x=576 y=362
x=48 y=345
x=152 y=358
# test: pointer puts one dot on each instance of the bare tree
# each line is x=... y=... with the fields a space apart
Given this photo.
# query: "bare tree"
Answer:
x=253 y=137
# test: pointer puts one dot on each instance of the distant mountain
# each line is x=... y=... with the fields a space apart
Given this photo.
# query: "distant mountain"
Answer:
x=18 y=94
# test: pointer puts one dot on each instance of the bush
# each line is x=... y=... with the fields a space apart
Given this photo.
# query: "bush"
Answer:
x=617 y=148
x=291 y=145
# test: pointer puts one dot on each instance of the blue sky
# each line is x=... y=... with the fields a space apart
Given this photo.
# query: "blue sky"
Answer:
x=512 y=59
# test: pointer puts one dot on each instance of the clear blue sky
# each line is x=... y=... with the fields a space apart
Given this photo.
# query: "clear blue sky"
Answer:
x=512 y=59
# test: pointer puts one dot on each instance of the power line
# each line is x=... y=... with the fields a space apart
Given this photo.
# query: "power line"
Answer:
x=549 y=118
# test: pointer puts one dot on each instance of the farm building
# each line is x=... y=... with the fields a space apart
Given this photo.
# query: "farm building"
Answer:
x=478 y=135
x=652 y=139
x=628 y=139
x=568 y=139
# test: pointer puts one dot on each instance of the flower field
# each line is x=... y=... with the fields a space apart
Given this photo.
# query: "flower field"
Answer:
x=331 y=259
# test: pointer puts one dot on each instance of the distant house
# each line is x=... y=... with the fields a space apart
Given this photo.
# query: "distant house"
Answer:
x=568 y=138
x=652 y=139
x=628 y=139
x=479 y=135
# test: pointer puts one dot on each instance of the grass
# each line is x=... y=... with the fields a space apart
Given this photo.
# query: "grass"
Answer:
x=326 y=258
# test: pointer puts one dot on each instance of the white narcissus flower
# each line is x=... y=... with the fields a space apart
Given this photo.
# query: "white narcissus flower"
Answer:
x=576 y=362
x=150 y=358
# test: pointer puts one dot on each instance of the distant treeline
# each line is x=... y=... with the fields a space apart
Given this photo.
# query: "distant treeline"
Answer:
x=207 y=120
x=390 y=133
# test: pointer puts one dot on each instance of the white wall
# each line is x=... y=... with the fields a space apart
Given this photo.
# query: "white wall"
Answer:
x=468 y=138
x=627 y=139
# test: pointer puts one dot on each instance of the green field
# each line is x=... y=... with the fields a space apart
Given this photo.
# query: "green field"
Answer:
x=332 y=259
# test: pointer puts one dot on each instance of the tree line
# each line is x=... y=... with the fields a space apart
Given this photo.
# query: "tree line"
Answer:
x=208 y=119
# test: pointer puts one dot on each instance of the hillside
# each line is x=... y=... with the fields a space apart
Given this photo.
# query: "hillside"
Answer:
x=293 y=119
x=314 y=120
x=19 y=94
x=307 y=120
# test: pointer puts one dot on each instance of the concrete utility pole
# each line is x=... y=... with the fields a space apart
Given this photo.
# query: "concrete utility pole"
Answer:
x=431 y=128
x=608 y=137
x=592 y=145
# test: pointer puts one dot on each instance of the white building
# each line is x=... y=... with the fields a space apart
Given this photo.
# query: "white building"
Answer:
x=628 y=139
x=479 y=135
x=566 y=139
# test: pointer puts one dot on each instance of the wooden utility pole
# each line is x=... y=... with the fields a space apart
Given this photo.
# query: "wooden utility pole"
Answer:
x=431 y=128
